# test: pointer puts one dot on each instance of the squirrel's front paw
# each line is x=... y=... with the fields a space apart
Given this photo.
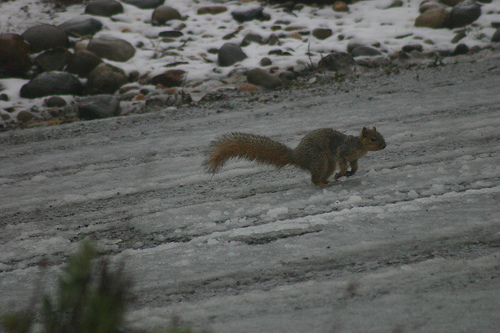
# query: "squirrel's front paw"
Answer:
x=350 y=173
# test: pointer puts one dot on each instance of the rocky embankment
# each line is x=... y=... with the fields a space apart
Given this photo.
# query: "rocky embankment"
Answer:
x=108 y=57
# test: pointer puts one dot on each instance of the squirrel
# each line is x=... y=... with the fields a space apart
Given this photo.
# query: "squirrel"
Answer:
x=319 y=152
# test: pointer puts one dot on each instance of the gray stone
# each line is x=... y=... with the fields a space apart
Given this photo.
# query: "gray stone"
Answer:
x=230 y=54
x=145 y=4
x=163 y=14
x=99 y=106
x=111 y=48
x=365 y=51
x=44 y=37
x=260 y=77
x=338 y=61
x=463 y=13
x=247 y=13
x=81 y=26
x=105 y=79
x=53 y=60
x=14 y=55
x=432 y=18
x=55 y=102
x=496 y=36
x=82 y=63
x=104 y=8
x=52 y=83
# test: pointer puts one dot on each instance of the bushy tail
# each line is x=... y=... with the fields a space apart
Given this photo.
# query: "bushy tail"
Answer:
x=261 y=149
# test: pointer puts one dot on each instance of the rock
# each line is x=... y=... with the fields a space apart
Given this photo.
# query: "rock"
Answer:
x=356 y=43
x=55 y=102
x=104 y=8
x=260 y=77
x=145 y=4
x=322 y=33
x=412 y=47
x=25 y=116
x=461 y=49
x=265 y=62
x=44 y=37
x=458 y=37
x=14 y=54
x=365 y=51
x=450 y=2
x=429 y=5
x=248 y=87
x=496 y=36
x=82 y=63
x=81 y=26
x=105 y=79
x=171 y=78
x=338 y=61
x=287 y=76
x=212 y=10
x=463 y=13
x=340 y=6
x=273 y=39
x=171 y=34
x=52 y=83
x=99 y=106
x=229 y=54
x=433 y=18
x=251 y=38
x=111 y=48
x=53 y=60
x=396 y=3
x=248 y=13
x=163 y=14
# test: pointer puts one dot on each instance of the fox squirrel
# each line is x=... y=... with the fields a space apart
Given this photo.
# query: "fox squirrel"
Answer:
x=319 y=152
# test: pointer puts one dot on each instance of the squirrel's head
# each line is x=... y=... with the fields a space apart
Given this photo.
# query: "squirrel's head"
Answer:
x=372 y=139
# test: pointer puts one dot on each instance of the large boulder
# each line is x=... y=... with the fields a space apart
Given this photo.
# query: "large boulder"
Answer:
x=163 y=14
x=260 y=77
x=99 y=106
x=82 y=63
x=171 y=78
x=463 y=13
x=14 y=54
x=105 y=79
x=432 y=18
x=104 y=8
x=53 y=60
x=111 y=48
x=52 y=83
x=44 y=37
x=340 y=62
x=81 y=26
x=145 y=4
x=230 y=54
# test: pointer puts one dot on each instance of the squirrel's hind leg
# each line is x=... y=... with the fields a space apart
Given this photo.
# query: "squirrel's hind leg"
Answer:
x=354 y=168
x=343 y=165
x=322 y=168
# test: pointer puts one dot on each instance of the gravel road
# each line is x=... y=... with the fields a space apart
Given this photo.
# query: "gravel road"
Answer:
x=409 y=244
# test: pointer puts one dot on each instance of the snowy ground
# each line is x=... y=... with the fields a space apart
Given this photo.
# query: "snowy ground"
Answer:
x=411 y=243
x=366 y=22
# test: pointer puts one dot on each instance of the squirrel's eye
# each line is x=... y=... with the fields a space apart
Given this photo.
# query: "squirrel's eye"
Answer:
x=372 y=139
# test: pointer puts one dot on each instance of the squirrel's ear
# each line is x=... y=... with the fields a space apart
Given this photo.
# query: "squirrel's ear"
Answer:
x=364 y=131
x=373 y=128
